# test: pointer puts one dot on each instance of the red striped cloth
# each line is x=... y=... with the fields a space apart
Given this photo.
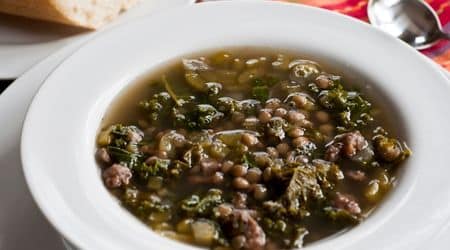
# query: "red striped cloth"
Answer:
x=440 y=53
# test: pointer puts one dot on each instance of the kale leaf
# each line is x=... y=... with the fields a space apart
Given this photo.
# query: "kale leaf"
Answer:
x=352 y=109
x=261 y=87
x=159 y=167
x=125 y=157
x=260 y=93
x=302 y=186
x=195 y=206
x=341 y=216
x=307 y=185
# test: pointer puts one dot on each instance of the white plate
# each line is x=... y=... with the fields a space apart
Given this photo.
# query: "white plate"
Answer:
x=22 y=225
x=24 y=42
x=59 y=131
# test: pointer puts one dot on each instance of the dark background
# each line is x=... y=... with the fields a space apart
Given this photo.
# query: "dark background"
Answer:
x=4 y=84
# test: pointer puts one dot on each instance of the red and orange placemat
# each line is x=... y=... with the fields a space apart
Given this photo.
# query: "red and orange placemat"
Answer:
x=440 y=53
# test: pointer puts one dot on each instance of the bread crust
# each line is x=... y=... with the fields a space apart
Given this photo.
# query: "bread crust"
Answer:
x=90 y=14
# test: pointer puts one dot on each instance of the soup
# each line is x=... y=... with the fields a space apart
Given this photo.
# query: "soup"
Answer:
x=248 y=149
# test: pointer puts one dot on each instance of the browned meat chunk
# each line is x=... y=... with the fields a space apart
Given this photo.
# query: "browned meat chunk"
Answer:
x=116 y=176
x=348 y=144
x=102 y=156
x=347 y=202
x=242 y=225
x=255 y=238
x=356 y=175
x=353 y=142
x=333 y=152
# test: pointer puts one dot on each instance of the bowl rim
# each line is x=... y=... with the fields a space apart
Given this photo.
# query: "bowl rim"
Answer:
x=28 y=144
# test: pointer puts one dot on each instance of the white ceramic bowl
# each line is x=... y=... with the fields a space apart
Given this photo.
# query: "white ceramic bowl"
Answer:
x=58 y=138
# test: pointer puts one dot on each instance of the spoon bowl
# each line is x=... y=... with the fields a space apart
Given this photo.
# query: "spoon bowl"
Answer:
x=413 y=21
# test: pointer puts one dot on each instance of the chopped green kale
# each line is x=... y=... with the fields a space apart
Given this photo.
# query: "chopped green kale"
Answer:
x=195 y=205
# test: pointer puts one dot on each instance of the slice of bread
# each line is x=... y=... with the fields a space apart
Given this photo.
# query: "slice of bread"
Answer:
x=90 y=14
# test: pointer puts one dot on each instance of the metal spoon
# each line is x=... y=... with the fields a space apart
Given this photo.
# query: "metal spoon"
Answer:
x=413 y=21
